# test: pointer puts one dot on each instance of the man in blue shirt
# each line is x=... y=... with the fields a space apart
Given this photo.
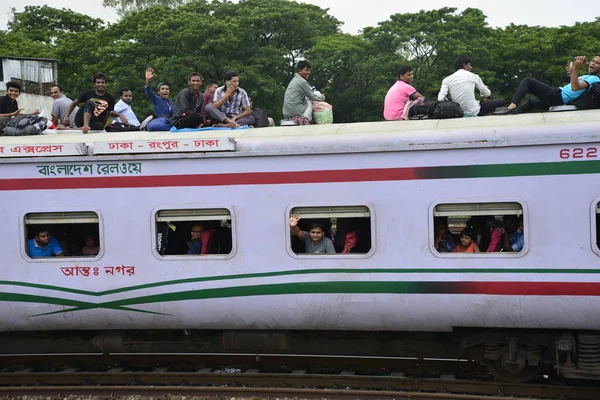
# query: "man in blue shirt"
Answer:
x=547 y=96
x=513 y=238
x=44 y=245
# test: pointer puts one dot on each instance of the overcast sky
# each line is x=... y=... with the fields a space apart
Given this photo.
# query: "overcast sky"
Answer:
x=359 y=14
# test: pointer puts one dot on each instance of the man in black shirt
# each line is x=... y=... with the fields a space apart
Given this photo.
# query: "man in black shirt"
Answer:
x=8 y=104
x=97 y=105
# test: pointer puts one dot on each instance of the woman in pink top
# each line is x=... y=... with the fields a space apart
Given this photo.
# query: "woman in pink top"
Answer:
x=399 y=94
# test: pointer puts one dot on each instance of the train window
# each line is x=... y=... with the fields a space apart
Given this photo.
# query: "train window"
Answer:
x=331 y=230
x=478 y=228
x=598 y=225
x=68 y=234
x=193 y=232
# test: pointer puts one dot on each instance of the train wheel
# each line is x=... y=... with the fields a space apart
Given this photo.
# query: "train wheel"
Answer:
x=514 y=375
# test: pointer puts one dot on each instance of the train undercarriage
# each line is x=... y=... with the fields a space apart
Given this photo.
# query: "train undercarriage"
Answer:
x=510 y=355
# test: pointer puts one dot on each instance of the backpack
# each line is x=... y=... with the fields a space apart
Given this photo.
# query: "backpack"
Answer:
x=422 y=111
x=590 y=99
x=447 y=109
x=261 y=119
x=25 y=125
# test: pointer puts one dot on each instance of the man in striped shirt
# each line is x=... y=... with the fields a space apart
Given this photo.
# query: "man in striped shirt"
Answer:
x=231 y=106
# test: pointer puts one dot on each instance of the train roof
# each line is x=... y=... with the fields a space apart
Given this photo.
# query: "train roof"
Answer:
x=497 y=131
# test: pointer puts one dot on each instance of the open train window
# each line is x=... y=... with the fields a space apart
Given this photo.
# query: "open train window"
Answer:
x=478 y=228
x=597 y=239
x=330 y=230
x=194 y=232
x=62 y=234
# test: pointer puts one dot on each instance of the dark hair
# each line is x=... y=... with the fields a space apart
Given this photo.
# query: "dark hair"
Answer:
x=161 y=84
x=99 y=75
x=302 y=64
x=125 y=89
x=195 y=74
x=229 y=75
x=461 y=61
x=510 y=217
x=315 y=225
x=403 y=70
x=40 y=229
x=469 y=232
x=60 y=88
x=212 y=82
x=14 y=85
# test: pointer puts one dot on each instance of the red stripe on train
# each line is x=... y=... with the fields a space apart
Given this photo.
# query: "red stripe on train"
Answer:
x=246 y=178
x=531 y=288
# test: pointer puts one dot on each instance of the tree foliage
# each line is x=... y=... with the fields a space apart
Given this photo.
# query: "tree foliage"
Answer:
x=263 y=39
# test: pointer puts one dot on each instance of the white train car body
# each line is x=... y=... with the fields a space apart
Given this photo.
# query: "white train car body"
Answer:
x=400 y=171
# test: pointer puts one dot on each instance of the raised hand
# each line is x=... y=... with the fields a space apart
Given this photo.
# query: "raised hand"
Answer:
x=294 y=219
x=149 y=74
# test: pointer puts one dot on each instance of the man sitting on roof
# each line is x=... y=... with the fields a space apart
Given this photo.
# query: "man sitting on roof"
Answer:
x=299 y=96
x=461 y=87
x=230 y=106
x=188 y=104
x=546 y=96
x=163 y=106
x=96 y=106
x=399 y=95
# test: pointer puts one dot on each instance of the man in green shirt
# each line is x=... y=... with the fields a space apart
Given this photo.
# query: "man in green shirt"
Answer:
x=297 y=103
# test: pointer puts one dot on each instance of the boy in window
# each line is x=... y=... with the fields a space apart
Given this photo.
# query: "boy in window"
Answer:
x=314 y=240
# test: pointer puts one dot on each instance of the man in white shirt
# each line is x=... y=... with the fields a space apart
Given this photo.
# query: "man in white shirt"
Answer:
x=461 y=87
x=123 y=108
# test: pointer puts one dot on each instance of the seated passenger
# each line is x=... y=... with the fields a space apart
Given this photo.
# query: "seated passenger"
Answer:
x=230 y=106
x=207 y=98
x=299 y=96
x=125 y=113
x=399 y=95
x=547 y=96
x=96 y=106
x=443 y=240
x=188 y=104
x=60 y=105
x=201 y=240
x=467 y=242
x=91 y=247
x=513 y=239
x=495 y=234
x=43 y=245
x=163 y=106
x=461 y=87
x=314 y=240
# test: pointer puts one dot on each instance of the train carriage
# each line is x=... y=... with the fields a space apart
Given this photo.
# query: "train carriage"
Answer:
x=139 y=194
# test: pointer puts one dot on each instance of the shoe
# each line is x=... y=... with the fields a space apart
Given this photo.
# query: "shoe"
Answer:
x=507 y=112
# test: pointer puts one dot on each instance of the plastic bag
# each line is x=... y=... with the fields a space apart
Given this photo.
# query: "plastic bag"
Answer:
x=322 y=112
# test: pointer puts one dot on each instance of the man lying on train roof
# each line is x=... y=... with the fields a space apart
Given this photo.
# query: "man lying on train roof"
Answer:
x=43 y=245
x=546 y=96
x=98 y=104
x=231 y=105
x=314 y=240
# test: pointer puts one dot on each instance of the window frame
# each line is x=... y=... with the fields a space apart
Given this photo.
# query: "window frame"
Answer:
x=594 y=210
x=431 y=228
x=194 y=257
x=288 y=232
x=23 y=234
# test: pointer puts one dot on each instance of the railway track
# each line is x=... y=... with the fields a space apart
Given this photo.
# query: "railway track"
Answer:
x=279 y=375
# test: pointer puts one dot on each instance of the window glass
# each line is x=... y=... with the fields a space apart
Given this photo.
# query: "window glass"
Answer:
x=598 y=225
x=62 y=234
x=478 y=228
x=193 y=232
x=330 y=230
